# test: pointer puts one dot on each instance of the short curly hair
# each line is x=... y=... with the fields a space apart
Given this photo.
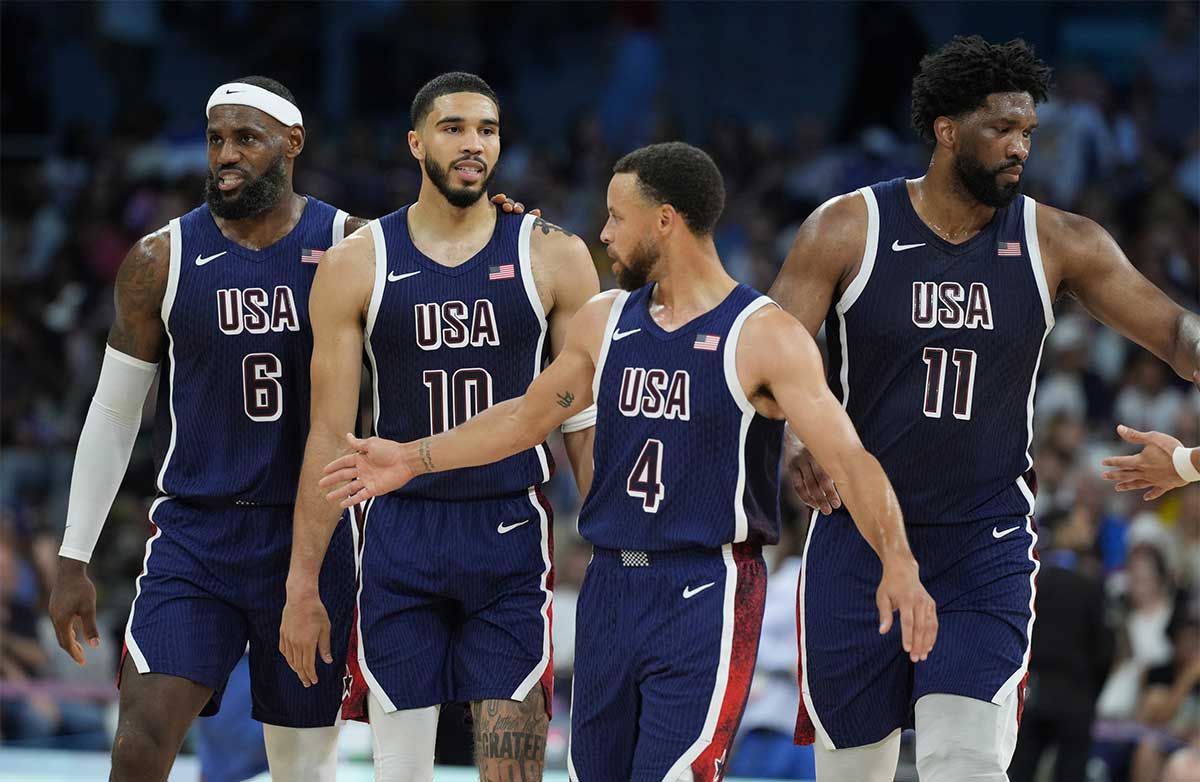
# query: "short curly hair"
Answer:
x=957 y=78
x=681 y=175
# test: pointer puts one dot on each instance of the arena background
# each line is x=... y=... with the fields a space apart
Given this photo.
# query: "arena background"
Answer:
x=102 y=141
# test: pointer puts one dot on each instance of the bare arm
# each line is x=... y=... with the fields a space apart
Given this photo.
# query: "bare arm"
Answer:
x=1083 y=257
x=137 y=332
x=778 y=360
x=573 y=282
x=339 y=298
x=379 y=466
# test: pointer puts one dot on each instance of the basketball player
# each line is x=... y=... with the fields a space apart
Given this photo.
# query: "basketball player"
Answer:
x=693 y=375
x=457 y=306
x=1162 y=464
x=220 y=294
x=936 y=296
x=232 y=408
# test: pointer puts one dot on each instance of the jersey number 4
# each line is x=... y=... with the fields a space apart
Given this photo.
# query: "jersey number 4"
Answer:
x=454 y=399
x=645 y=481
x=935 y=378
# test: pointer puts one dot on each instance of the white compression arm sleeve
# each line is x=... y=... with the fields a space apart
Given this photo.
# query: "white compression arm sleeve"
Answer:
x=105 y=445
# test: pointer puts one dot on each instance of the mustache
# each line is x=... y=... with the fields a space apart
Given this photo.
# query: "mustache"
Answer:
x=1006 y=165
x=472 y=158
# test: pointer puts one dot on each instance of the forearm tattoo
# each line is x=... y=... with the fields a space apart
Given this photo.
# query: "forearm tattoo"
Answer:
x=565 y=399
x=423 y=450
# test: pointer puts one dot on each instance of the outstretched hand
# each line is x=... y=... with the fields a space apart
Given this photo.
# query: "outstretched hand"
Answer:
x=1151 y=469
x=376 y=466
x=507 y=204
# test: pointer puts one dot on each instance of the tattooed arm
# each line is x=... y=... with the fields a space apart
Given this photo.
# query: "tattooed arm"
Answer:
x=106 y=441
x=379 y=466
x=563 y=260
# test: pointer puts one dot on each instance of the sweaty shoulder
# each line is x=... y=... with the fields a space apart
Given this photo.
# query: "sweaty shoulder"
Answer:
x=349 y=269
x=140 y=287
x=1067 y=241
x=835 y=234
x=562 y=266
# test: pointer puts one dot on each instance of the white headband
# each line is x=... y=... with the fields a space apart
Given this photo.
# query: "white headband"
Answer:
x=238 y=94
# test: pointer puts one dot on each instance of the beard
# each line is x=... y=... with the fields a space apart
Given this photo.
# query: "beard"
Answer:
x=460 y=197
x=257 y=196
x=635 y=272
x=980 y=181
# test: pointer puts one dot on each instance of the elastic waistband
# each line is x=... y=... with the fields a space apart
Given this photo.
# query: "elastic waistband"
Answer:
x=223 y=503
x=740 y=552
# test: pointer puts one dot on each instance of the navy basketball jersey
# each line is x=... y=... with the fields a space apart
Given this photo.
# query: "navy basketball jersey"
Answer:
x=934 y=351
x=233 y=397
x=681 y=458
x=445 y=343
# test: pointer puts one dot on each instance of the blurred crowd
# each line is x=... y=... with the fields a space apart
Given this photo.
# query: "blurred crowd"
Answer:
x=1118 y=630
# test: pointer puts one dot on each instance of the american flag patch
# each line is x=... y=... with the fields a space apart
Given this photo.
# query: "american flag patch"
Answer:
x=706 y=342
x=311 y=256
x=504 y=271
x=1008 y=249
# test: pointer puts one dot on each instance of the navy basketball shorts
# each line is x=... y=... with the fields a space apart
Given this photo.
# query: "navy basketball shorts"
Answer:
x=859 y=686
x=665 y=645
x=214 y=580
x=454 y=602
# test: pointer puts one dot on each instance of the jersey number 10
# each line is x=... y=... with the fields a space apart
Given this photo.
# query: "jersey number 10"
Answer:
x=935 y=378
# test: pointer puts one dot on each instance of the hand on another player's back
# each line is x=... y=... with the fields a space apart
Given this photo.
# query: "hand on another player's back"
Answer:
x=1151 y=469
x=73 y=597
x=900 y=590
x=812 y=484
x=376 y=466
x=515 y=207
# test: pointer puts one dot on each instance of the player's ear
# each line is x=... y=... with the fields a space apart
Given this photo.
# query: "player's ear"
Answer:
x=415 y=145
x=294 y=143
x=945 y=132
x=667 y=217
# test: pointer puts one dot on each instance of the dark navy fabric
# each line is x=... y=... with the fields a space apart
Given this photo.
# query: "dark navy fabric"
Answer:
x=447 y=343
x=939 y=354
x=455 y=603
x=214 y=580
x=233 y=398
x=862 y=685
x=664 y=656
x=679 y=461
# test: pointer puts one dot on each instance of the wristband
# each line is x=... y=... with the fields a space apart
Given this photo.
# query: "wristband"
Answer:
x=1182 y=459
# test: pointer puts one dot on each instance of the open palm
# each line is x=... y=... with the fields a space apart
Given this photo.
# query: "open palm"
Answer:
x=376 y=466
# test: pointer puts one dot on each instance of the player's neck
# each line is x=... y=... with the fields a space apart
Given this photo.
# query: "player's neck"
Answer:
x=945 y=206
x=434 y=216
x=255 y=233
x=693 y=281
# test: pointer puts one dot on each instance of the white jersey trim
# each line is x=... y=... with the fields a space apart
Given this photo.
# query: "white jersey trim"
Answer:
x=373 y=312
x=614 y=316
x=682 y=766
x=740 y=526
x=372 y=683
x=1035 y=260
x=805 y=690
x=339 y=226
x=539 y=670
x=856 y=286
x=135 y=651
x=1018 y=675
x=173 y=271
x=525 y=258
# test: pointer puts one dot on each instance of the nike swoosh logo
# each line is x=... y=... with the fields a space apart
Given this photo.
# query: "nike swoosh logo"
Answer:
x=233 y=92
x=688 y=592
x=1001 y=533
x=503 y=528
x=393 y=277
x=899 y=248
x=620 y=335
x=200 y=261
